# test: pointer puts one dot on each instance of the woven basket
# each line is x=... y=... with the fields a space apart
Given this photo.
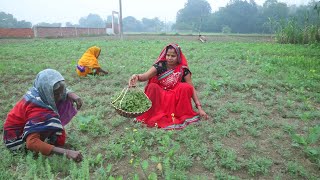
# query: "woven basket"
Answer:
x=123 y=112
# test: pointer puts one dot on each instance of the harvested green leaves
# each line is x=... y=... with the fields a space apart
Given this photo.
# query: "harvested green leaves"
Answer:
x=133 y=101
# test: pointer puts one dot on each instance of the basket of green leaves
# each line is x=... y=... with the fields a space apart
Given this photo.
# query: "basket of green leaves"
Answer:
x=131 y=102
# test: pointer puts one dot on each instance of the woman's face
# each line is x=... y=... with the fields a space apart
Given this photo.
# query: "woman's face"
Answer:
x=172 y=57
x=58 y=93
x=98 y=54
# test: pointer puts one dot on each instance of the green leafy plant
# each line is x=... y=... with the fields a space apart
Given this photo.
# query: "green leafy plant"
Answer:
x=228 y=157
x=182 y=162
x=308 y=143
x=210 y=162
x=250 y=145
x=296 y=169
x=257 y=164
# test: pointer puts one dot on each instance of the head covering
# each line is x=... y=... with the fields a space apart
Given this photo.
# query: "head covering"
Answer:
x=183 y=63
x=94 y=50
x=44 y=84
x=58 y=85
x=181 y=58
x=90 y=57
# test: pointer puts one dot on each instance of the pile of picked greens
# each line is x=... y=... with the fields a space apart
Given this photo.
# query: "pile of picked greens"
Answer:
x=132 y=100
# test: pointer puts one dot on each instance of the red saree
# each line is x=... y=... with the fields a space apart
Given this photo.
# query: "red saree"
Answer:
x=171 y=98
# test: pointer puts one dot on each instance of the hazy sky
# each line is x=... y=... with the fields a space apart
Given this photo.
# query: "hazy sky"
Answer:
x=61 y=11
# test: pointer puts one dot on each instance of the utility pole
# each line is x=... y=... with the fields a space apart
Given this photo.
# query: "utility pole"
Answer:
x=120 y=20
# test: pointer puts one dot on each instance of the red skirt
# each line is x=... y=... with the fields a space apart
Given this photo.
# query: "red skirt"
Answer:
x=171 y=109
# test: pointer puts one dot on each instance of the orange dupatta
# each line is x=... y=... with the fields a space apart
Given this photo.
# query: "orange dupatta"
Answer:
x=89 y=60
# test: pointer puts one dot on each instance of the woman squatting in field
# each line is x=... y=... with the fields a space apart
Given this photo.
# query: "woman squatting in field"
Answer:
x=88 y=63
x=37 y=121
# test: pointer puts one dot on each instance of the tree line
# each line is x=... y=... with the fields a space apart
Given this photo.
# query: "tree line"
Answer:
x=241 y=16
x=238 y=16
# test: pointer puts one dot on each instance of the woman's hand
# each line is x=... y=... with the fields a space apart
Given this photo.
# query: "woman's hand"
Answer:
x=71 y=154
x=75 y=155
x=75 y=99
x=203 y=114
x=133 y=80
x=78 y=101
x=102 y=72
x=105 y=72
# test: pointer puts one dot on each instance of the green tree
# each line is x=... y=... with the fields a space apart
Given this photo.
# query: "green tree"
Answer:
x=210 y=24
x=131 y=24
x=8 y=21
x=69 y=24
x=109 y=19
x=241 y=16
x=275 y=10
x=44 y=24
x=152 y=25
x=192 y=16
x=306 y=14
x=23 y=24
x=92 y=21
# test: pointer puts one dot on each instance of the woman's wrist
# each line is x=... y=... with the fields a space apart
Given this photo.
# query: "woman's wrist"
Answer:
x=73 y=96
x=198 y=105
x=66 y=153
x=58 y=150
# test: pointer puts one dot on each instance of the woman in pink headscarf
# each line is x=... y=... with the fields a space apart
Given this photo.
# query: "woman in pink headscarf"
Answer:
x=170 y=90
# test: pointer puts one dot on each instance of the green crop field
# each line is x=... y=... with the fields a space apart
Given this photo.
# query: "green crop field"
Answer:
x=263 y=100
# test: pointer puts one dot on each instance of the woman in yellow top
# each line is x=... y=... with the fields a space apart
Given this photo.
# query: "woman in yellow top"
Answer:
x=88 y=63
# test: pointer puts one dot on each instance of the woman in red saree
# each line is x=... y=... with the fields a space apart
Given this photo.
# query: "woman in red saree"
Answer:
x=170 y=89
